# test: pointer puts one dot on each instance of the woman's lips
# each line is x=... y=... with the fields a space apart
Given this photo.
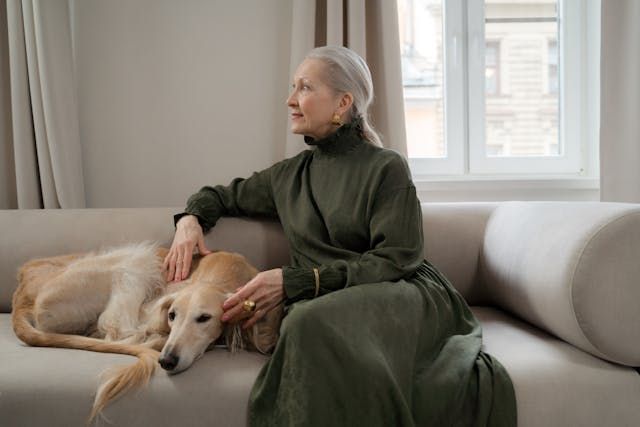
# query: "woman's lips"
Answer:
x=295 y=116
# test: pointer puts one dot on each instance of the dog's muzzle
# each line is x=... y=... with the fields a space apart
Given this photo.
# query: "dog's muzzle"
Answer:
x=169 y=362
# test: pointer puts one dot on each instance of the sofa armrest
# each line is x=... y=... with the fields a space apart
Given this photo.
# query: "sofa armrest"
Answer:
x=570 y=268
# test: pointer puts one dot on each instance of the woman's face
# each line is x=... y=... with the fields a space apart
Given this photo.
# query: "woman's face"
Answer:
x=312 y=102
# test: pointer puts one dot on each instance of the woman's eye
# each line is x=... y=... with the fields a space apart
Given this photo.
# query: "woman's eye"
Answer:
x=203 y=318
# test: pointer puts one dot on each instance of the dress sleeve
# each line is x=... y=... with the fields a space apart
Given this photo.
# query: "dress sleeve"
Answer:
x=396 y=248
x=251 y=197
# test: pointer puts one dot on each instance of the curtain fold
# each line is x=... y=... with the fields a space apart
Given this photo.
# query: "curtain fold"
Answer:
x=371 y=29
x=303 y=29
x=620 y=102
x=383 y=56
x=45 y=135
x=8 y=199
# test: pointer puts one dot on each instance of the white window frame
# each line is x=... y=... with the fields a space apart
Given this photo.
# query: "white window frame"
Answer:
x=453 y=163
x=464 y=87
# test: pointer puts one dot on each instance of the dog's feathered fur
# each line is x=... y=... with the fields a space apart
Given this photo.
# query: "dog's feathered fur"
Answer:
x=116 y=301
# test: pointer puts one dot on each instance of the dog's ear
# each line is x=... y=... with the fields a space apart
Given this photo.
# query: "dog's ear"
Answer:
x=264 y=334
x=159 y=316
x=165 y=303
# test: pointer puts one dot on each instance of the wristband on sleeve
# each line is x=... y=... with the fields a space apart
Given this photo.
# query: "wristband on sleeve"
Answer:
x=317 y=277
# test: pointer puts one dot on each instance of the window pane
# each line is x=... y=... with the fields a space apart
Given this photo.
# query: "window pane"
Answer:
x=422 y=76
x=521 y=75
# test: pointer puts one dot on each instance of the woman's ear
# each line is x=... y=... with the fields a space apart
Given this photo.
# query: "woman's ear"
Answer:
x=346 y=101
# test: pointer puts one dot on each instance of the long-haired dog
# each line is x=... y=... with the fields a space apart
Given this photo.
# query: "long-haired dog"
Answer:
x=117 y=301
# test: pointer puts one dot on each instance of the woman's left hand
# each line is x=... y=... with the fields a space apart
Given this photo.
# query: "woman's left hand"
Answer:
x=266 y=290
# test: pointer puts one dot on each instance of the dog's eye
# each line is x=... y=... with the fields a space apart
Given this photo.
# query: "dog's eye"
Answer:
x=172 y=315
x=203 y=318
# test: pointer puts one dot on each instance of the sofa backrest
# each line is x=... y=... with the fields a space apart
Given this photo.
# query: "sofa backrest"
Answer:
x=28 y=234
x=453 y=235
x=453 y=238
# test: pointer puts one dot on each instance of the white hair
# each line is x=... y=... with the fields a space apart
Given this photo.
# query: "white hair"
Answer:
x=348 y=72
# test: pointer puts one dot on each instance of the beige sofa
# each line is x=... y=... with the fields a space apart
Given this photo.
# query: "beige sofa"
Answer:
x=555 y=285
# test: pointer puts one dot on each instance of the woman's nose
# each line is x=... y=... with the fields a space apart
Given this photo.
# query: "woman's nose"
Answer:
x=291 y=101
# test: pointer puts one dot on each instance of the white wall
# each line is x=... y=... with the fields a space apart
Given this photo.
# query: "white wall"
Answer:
x=174 y=95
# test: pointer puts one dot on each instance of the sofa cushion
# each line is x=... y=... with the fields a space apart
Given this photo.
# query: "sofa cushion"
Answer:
x=571 y=269
x=557 y=384
x=55 y=387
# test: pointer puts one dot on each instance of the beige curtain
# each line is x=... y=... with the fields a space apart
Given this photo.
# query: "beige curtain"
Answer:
x=620 y=101
x=44 y=138
x=7 y=175
x=370 y=28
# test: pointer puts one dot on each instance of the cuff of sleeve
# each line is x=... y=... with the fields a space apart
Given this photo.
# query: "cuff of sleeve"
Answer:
x=299 y=283
x=202 y=223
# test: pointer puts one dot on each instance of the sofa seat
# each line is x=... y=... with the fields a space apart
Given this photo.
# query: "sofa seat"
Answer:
x=557 y=384
x=544 y=371
x=214 y=391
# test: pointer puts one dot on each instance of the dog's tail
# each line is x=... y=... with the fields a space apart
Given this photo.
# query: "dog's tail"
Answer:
x=119 y=380
x=116 y=381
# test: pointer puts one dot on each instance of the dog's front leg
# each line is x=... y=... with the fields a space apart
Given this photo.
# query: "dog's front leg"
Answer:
x=157 y=343
x=121 y=317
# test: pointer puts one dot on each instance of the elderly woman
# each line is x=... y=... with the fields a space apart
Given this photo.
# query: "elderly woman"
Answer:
x=373 y=334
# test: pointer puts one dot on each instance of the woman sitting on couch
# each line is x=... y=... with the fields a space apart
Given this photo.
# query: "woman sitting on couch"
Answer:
x=373 y=334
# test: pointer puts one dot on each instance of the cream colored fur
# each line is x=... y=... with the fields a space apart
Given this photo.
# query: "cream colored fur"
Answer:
x=117 y=301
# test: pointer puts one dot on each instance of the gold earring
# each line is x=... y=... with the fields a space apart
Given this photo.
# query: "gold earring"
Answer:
x=336 y=120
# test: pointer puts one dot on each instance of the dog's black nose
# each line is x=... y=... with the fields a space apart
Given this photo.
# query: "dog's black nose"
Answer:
x=169 y=362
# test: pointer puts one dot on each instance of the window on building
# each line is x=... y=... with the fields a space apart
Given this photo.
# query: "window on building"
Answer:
x=492 y=68
x=493 y=86
x=552 y=66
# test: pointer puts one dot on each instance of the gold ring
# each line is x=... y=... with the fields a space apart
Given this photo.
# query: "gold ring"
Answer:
x=248 y=305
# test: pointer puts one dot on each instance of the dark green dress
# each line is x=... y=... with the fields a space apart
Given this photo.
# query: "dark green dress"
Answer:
x=399 y=349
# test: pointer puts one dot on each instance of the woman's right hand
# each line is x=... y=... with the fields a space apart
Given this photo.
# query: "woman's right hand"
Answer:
x=177 y=263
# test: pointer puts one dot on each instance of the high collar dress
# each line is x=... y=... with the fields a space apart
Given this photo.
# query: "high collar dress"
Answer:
x=376 y=335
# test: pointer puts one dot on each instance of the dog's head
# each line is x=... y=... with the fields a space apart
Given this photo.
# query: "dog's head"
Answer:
x=194 y=312
x=193 y=316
